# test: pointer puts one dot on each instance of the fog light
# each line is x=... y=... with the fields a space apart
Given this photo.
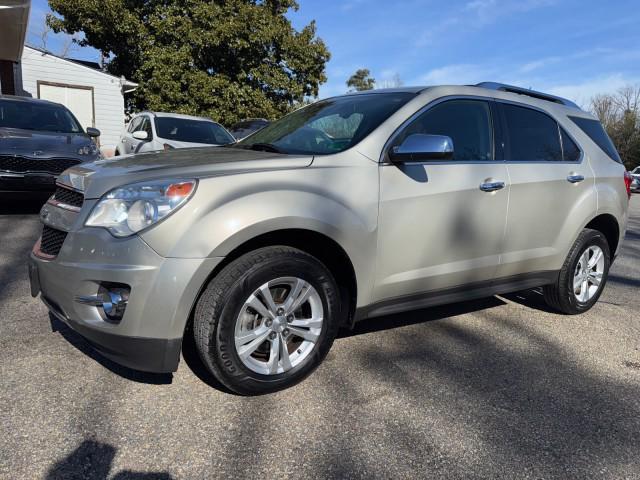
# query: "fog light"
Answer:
x=111 y=299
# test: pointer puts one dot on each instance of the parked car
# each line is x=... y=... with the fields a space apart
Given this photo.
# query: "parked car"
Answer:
x=350 y=208
x=152 y=131
x=635 y=184
x=635 y=173
x=246 y=127
x=38 y=140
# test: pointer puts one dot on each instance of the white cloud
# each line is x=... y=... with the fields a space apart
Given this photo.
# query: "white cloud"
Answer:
x=456 y=74
x=582 y=92
x=488 y=11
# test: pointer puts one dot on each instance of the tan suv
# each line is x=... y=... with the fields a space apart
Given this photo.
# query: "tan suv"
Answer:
x=349 y=208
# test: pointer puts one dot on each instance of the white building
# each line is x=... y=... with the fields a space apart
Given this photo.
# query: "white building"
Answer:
x=96 y=98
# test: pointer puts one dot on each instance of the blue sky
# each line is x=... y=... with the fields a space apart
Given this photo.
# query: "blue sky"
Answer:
x=574 y=48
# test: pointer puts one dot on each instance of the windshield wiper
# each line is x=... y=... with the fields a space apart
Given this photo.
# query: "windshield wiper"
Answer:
x=265 y=147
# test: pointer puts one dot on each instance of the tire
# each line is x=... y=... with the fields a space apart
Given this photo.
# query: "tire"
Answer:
x=223 y=308
x=561 y=295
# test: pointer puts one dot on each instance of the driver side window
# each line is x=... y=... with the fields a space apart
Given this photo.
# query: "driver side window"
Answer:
x=466 y=122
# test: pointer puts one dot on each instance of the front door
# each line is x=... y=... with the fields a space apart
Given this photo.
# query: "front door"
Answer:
x=438 y=228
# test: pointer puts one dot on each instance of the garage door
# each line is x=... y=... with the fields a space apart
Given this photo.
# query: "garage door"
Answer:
x=78 y=100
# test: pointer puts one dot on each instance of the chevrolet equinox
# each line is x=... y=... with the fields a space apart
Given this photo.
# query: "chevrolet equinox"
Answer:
x=349 y=208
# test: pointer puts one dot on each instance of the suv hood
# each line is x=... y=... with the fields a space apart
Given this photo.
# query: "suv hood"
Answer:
x=14 y=141
x=98 y=177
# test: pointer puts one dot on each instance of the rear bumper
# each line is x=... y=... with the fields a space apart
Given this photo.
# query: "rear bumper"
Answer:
x=162 y=293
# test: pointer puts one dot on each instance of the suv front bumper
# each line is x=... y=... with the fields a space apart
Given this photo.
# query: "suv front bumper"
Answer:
x=163 y=291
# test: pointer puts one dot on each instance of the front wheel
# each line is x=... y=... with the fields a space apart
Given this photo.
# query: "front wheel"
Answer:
x=267 y=320
x=583 y=275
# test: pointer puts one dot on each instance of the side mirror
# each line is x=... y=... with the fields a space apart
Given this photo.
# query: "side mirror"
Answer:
x=140 y=135
x=421 y=147
x=93 y=132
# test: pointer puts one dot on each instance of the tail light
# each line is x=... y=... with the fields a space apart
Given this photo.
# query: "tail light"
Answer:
x=628 y=180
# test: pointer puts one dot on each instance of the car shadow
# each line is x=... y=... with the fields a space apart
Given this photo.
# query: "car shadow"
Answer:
x=530 y=298
x=94 y=460
x=19 y=203
x=81 y=344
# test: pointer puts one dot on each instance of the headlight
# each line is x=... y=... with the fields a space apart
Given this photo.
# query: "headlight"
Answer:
x=90 y=149
x=132 y=208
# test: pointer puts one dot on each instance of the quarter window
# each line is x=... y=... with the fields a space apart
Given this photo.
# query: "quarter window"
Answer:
x=596 y=132
x=466 y=122
x=532 y=135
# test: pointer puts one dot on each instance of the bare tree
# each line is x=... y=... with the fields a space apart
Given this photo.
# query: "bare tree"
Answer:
x=40 y=35
x=619 y=113
x=393 y=82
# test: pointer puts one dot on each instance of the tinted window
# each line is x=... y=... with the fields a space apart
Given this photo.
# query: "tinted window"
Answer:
x=594 y=129
x=327 y=126
x=570 y=150
x=467 y=122
x=532 y=135
x=192 y=131
x=37 y=116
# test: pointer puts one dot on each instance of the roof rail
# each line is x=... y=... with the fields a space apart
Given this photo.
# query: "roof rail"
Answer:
x=525 y=91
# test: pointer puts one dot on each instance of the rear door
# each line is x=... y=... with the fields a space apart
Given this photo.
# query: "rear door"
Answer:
x=551 y=193
x=438 y=228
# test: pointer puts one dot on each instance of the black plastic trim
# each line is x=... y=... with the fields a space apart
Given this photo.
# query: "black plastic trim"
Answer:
x=156 y=355
x=457 y=294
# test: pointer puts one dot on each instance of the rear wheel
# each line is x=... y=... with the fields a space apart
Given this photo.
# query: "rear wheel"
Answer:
x=583 y=275
x=267 y=320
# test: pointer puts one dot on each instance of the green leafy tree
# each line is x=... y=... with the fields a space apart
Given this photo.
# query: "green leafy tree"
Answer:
x=227 y=59
x=361 y=80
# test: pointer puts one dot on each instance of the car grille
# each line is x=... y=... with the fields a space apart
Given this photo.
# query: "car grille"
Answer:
x=52 y=240
x=70 y=197
x=19 y=164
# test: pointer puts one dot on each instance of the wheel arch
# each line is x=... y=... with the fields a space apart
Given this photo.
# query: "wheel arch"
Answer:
x=321 y=246
x=608 y=225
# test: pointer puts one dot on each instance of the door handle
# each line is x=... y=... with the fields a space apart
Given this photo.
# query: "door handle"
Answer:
x=575 y=178
x=491 y=186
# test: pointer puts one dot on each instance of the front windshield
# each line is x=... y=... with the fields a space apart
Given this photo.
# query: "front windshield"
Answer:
x=37 y=116
x=192 y=131
x=328 y=126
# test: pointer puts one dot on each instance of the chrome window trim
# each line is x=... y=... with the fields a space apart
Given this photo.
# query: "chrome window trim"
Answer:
x=559 y=125
x=384 y=158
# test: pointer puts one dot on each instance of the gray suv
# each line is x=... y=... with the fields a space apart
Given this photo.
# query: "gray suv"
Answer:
x=347 y=209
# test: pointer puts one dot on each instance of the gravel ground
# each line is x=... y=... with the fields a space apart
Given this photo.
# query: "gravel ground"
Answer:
x=498 y=388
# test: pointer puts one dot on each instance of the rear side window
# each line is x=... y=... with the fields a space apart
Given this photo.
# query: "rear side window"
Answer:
x=571 y=152
x=532 y=135
x=466 y=122
x=594 y=129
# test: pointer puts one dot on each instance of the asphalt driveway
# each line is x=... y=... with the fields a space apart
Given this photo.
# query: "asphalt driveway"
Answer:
x=497 y=388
